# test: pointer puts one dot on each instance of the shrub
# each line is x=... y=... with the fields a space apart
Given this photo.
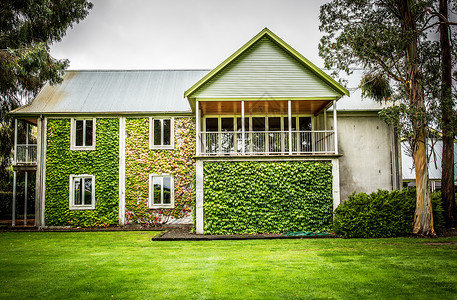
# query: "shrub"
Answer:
x=381 y=214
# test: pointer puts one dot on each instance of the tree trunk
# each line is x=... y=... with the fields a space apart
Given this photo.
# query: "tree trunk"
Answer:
x=423 y=217
x=447 y=162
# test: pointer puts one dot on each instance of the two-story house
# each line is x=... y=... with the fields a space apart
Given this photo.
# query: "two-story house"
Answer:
x=258 y=144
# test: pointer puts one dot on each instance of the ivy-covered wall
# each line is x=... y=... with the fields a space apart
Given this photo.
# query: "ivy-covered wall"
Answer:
x=140 y=161
x=103 y=163
x=267 y=197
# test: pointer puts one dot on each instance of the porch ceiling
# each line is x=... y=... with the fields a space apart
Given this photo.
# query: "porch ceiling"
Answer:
x=262 y=107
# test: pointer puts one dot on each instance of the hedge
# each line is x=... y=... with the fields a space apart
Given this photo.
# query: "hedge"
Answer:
x=381 y=214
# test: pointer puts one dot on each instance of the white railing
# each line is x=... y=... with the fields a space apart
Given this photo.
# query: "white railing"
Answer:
x=267 y=142
x=26 y=153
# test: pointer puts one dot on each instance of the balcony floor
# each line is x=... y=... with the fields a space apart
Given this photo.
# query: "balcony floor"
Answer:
x=30 y=167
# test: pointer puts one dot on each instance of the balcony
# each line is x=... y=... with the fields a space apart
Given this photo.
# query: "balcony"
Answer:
x=267 y=142
x=25 y=145
x=266 y=127
x=26 y=154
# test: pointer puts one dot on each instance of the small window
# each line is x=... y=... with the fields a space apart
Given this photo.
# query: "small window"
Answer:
x=161 y=133
x=161 y=191
x=83 y=134
x=82 y=192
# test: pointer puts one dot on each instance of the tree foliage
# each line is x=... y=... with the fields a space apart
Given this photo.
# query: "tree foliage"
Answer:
x=390 y=41
x=27 y=29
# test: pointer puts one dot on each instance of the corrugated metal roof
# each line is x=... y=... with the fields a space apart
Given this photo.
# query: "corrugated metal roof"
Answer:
x=355 y=102
x=434 y=165
x=94 y=91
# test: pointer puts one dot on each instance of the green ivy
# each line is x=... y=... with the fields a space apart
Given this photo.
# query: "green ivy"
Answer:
x=103 y=163
x=267 y=197
x=141 y=161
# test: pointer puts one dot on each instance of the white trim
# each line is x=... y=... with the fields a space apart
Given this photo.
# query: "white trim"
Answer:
x=243 y=128
x=13 y=206
x=151 y=133
x=336 y=182
x=151 y=194
x=122 y=171
x=335 y=127
x=73 y=206
x=289 y=125
x=284 y=126
x=73 y=134
x=43 y=175
x=199 y=213
x=197 y=128
x=15 y=142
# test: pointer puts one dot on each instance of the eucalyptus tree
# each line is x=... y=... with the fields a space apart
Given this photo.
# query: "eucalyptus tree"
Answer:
x=448 y=119
x=27 y=29
x=388 y=39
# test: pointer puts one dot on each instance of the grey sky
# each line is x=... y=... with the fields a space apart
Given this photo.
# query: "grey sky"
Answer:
x=184 y=34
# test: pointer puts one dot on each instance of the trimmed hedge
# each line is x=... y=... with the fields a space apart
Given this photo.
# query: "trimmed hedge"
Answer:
x=267 y=197
x=381 y=214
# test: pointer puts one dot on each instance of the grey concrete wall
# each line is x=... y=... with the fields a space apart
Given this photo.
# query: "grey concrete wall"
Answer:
x=368 y=154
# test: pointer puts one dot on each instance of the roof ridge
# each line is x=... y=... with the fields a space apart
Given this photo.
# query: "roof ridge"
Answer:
x=132 y=70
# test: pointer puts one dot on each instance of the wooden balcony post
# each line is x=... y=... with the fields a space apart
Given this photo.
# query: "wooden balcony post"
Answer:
x=25 y=198
x=15 y=142
x=242 y=128
x=335 y=127
x=325 y=131
x=26 y=142
x=289 y=111
x=13 y=215
x=197 y=129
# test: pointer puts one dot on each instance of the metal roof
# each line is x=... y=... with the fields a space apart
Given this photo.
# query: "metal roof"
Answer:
x=111 y=91
x=356 y=102
x=434 y=165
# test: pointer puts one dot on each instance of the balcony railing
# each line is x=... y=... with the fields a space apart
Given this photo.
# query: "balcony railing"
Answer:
x=26 y=154
x=267 y=142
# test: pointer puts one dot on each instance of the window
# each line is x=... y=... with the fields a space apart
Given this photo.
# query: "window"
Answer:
x=161 y=133
x=161 y=191
x=82 y=192
x=82 y=134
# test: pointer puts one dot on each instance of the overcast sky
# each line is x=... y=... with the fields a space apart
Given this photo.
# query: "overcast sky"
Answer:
x=184 y=34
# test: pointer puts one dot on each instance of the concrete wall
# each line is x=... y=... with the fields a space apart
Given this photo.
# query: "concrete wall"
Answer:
x=368 y=161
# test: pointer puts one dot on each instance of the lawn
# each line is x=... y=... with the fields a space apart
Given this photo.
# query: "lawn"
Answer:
x=127 y=265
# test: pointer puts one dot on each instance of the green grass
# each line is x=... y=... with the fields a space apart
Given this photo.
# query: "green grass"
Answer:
x=127 y=265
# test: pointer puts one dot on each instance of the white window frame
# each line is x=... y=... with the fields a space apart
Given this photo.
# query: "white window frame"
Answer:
x=151 y=133
x=73 y=134
x=151 y=192
x=72 y=204
x=284 y=126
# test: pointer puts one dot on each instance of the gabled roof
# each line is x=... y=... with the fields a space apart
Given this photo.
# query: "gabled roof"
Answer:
x=285 y=47
x=116 y=92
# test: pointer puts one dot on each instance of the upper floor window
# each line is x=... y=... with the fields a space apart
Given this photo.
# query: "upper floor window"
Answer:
x=82 y=192
x=161 y=133
x=83 y=134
